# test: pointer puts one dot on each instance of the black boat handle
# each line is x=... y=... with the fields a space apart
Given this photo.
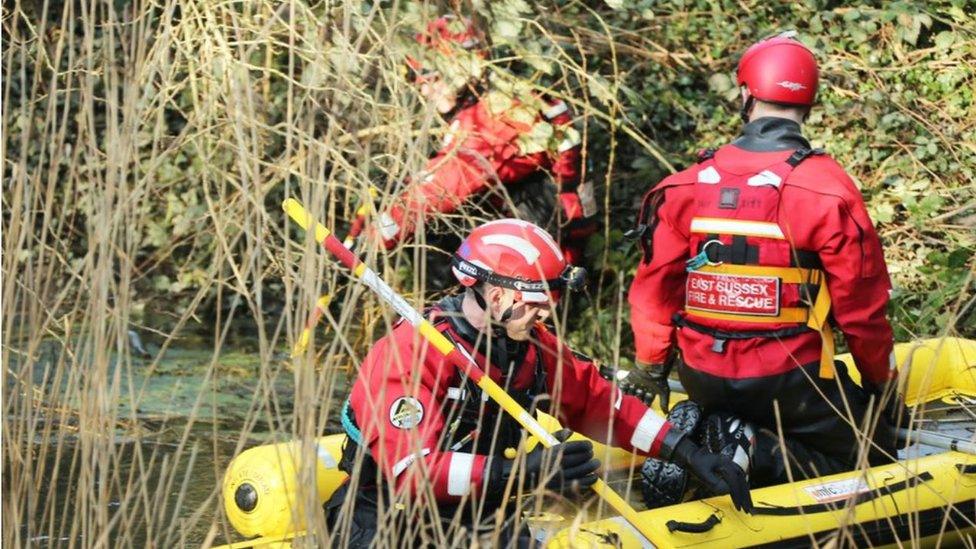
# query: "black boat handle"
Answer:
x=693 y=527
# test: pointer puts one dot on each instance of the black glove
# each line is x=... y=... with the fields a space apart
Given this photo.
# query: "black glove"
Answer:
x=893 y=408
x=719 y=474
x=568 y=467
x=653 y=379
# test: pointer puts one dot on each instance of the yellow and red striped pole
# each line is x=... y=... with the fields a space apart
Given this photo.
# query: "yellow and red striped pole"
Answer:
x=313 y=319
x=359 y=222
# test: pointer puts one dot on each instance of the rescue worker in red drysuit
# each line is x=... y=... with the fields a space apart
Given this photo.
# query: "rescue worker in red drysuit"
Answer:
x=751 y=258
x=494 y=138
x=418 y=428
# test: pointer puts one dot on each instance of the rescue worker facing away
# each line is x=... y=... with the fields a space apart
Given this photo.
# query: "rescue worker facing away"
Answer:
x=421 y=432
x=499 y=134
x=745 y=255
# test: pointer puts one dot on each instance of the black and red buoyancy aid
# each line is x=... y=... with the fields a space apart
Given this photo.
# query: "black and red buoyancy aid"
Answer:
x=409 y=404
x=745 y=278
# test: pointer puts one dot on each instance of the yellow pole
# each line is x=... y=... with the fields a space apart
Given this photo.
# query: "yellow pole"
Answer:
x=359 y=221
x=320 y=306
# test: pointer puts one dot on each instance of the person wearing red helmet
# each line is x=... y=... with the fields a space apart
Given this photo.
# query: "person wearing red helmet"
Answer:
x=495 y=138
x=418 y=428
x=751 y=259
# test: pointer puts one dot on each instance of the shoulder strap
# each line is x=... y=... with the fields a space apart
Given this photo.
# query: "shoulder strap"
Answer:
x=776 y=174
x=541 y=383
x=646 y=221
x=802 y=154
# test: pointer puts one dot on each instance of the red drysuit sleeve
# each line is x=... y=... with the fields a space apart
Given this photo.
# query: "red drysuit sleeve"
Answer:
x=484 y=153
x=566 y=158
x=857 y=280
x=658 y=289
x=401 y=420
x=592 y=406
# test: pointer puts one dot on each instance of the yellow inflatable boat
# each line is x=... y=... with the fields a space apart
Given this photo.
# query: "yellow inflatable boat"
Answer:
x=929 y=496
x=263 y=490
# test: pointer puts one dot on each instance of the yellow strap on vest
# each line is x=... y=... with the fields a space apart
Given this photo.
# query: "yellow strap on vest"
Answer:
x=818 y=321
x=815 y=317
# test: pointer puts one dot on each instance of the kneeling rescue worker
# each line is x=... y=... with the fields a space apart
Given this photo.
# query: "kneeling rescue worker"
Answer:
x=422 y=436
x=750 y=258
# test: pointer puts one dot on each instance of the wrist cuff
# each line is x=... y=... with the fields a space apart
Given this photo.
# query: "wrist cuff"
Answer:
x=671 y=439
x=497 y=470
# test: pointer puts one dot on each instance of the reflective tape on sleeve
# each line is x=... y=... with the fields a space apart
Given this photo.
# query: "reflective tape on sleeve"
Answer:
x=387 y=226
x=646 y=430
x=459 y=474
x=567 y=144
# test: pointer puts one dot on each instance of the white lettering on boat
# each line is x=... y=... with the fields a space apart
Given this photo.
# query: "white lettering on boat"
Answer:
x=837 y=490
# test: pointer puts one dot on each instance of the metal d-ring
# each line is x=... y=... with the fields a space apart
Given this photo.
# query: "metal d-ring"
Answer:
x=704 y=251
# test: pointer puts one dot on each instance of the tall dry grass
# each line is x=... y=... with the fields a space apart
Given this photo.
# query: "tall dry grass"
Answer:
x=127 y=121
x=91 y=90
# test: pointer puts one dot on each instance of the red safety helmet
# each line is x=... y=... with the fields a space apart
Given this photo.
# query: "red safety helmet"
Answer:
x=780 y=70
x=447 y=37
x=518 y=255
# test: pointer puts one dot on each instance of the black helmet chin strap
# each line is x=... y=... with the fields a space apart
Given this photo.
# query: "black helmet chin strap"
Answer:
x=480 y=299
x=747 y=108
x=507 y=315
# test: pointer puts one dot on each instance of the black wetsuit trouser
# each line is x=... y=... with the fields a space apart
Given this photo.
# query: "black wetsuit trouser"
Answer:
x=402 y=529
x=815 y=417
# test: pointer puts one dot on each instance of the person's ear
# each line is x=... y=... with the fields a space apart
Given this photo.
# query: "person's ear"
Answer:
x=495 y=297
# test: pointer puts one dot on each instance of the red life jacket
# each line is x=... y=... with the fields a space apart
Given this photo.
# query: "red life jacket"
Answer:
x=747 y=279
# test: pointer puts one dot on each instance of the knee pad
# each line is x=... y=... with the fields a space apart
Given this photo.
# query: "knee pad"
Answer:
x=664 y=483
